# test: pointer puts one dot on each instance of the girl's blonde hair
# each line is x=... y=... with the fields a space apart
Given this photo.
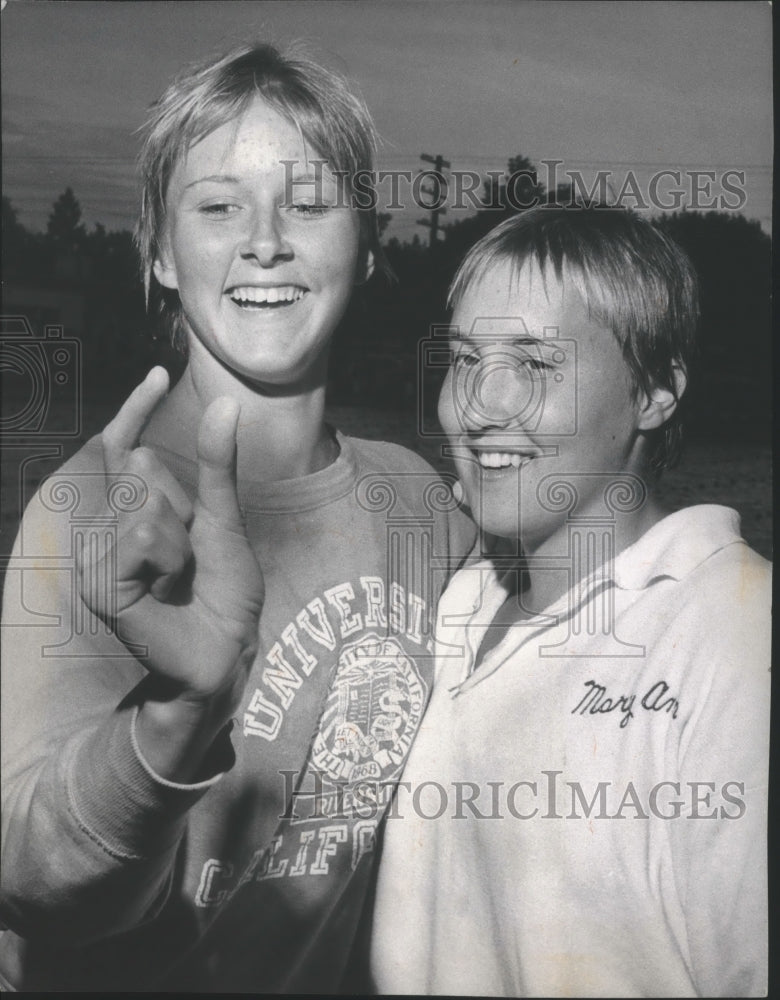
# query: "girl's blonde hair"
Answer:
x=318 y=101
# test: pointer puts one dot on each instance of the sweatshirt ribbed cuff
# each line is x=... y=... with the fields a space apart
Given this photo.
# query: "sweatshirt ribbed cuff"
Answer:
x=119 y=801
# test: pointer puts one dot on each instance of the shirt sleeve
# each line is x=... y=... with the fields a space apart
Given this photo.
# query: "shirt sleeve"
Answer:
x=720 y=846
x=89 y=832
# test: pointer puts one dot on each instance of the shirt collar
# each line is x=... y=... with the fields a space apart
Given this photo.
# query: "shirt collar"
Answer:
x=673 y=547
x=676 y=545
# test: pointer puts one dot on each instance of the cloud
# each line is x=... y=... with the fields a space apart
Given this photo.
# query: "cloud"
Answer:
x=48 y=152
x=630 y=81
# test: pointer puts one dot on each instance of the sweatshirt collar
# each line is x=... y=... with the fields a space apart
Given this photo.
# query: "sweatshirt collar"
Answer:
x=286 y=496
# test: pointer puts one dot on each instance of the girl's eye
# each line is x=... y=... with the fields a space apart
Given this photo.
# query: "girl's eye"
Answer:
x=535 y=364
x=465 y=359
x=536 y=361
x=219 y=209
x=310 y=210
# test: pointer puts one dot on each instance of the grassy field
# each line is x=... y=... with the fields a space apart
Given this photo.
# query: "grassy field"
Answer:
x=737 y=475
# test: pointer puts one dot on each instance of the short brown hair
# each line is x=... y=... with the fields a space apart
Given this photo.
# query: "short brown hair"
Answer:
x=633 y=278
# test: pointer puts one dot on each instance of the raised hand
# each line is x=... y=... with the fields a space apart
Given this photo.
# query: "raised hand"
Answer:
x=188 y=587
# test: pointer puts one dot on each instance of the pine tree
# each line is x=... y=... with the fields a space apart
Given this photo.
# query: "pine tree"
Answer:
x=64 y=225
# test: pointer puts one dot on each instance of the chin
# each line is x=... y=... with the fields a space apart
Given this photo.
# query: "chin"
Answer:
x=279 y=373
x=501 y=530
x=495 y=522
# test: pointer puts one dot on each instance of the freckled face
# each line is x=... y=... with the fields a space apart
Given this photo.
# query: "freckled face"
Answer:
x=536 y=387
x=262 y=255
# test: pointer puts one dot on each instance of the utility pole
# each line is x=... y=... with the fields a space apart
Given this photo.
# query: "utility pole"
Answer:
x=436 y=206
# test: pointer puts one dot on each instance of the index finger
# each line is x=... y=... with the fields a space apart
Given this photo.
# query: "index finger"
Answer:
x=123 y=433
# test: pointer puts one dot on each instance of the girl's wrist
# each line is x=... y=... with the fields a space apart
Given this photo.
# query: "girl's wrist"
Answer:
x=176 y=735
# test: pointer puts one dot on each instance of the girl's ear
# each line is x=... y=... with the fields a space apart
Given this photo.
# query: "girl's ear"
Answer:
x=660 y=404
x=164 y=268
x=365 y=268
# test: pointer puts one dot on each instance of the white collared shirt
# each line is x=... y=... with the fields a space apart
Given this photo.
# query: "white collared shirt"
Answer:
x=584 y=814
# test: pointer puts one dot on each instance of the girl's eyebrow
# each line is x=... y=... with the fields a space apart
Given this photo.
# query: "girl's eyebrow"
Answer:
x=310 y=174
x=215 y=178
x=528 y=341
x=524 y=340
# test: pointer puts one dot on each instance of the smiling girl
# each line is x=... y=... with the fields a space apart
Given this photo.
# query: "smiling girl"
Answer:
x=214 y=665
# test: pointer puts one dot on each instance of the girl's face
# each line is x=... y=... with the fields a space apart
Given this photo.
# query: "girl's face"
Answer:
x=538 y=404
x=260 y=249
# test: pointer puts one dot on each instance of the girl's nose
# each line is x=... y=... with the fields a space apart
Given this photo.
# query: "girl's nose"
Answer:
x=266 y=243
x=497 y=393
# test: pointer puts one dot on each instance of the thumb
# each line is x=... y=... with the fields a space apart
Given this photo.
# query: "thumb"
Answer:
x=217 y=491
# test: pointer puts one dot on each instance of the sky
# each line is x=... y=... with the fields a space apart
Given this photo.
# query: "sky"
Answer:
x=624 y=86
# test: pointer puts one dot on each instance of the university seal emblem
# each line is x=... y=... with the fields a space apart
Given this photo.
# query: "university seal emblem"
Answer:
x=372 y=712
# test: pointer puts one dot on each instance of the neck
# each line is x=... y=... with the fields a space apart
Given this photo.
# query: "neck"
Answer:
x=545 y=586
x=281 y=433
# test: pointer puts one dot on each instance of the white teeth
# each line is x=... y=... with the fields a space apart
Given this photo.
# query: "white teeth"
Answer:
x=500 y=459
x=259 y=296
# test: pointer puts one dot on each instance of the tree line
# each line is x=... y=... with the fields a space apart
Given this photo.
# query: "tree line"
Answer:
x=374 y=358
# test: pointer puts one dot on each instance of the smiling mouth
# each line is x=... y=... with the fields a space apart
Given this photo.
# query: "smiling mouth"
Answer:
x=253 y=297
x=502 y=459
